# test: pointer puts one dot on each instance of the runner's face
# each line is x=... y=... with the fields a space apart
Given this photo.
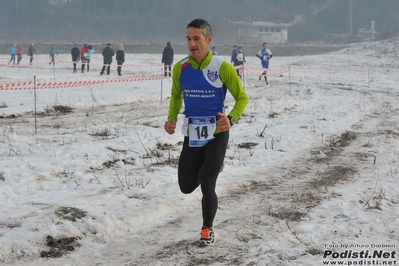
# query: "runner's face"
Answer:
x=197 y=43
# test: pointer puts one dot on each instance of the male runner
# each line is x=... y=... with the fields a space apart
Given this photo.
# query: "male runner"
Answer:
x=202 y=80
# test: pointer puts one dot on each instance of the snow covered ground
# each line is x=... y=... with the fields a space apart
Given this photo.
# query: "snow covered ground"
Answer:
x=311 y=175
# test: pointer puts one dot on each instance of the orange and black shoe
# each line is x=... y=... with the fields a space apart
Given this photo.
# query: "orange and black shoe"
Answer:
x=207 y=237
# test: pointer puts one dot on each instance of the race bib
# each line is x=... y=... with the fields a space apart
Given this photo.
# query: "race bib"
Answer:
x=200 y=130
x=240 y=57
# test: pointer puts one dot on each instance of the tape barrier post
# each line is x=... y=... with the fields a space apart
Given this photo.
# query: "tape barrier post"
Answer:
x=243 y=76
x=368 y=77
x=289 y=79
x=54 y=68
x=161 y=84
x=34 y=88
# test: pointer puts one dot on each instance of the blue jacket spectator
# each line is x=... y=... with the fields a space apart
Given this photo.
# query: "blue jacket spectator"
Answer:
x=53 y=52
x=235 y=49
x=13 y=51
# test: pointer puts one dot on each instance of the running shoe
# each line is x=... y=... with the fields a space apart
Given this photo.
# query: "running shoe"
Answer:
x=207 y=237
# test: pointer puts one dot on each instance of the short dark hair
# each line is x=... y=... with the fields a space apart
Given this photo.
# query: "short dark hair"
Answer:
x=202 y=24
x=264 y=43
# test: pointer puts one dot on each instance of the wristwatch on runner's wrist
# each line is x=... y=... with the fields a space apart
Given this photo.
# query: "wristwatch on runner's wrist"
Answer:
x=231 y=119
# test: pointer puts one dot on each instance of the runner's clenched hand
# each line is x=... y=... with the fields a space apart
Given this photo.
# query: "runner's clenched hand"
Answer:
x=223 y=122
x=170 y=126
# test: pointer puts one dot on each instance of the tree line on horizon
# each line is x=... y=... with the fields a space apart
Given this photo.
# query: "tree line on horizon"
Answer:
x=157 y=20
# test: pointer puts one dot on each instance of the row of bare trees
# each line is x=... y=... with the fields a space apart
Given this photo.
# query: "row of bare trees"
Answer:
x=155 y=20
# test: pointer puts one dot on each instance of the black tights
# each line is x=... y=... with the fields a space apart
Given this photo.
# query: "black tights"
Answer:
x=167 y=70
x=12 y=59
x=119 y=68
x=108 y=67
x=201 y=166
x=88 y=65
x=82 y=67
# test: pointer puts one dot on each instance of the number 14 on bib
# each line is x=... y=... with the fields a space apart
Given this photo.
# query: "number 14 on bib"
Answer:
x=201 y=130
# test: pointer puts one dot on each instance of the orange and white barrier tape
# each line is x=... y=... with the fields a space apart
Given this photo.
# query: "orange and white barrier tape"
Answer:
x=70 y=84
x=158 y=75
